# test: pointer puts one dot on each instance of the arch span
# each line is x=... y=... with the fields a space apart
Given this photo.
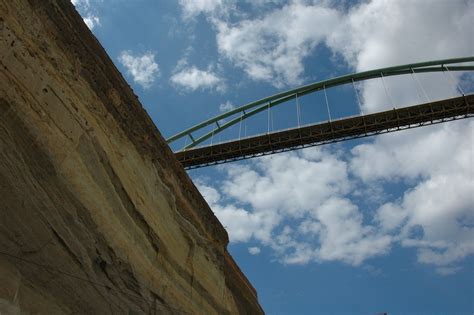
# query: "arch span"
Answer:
x=258 y=106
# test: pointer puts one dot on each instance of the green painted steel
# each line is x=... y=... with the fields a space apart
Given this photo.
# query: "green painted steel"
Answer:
x=253 y=108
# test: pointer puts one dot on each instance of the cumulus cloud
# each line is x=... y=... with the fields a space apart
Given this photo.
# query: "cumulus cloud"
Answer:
x=254 y=250
x=284 y=184
x=91 y=21
x=301 y=204
x=192 y=8
x=384 y=33
x=225 y=107
x=312 y=189
x=381 y=29
x=192 y=79
x=435 y=161
x=142 y=68
x=306 y=188
x=344 y=237
x=272 y=48
x=441 y=203
x=241 y=224
x=90 y=18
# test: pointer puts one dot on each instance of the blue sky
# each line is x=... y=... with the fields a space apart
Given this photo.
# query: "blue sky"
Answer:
x=384 y=224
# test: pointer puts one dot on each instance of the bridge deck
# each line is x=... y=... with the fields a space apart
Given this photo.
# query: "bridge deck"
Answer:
x=328 y=132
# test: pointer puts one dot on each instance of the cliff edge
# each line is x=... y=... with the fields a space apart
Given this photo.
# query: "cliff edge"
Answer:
x=97 y=216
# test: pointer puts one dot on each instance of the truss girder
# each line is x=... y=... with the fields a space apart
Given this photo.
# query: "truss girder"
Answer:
x=330 y=131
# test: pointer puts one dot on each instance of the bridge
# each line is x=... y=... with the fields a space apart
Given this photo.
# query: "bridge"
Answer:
x=198 y=153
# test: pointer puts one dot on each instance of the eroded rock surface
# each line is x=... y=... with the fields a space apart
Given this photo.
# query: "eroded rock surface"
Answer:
x=97 y=216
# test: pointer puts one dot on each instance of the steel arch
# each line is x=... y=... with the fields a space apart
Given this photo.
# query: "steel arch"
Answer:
x=255 y=107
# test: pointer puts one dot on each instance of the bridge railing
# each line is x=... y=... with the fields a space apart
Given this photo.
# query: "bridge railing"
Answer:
x=329 y=132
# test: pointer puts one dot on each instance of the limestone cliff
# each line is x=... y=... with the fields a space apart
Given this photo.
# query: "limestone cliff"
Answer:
x=97 y=216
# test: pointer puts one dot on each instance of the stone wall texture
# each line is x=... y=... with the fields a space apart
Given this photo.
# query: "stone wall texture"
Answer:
x=96 y=214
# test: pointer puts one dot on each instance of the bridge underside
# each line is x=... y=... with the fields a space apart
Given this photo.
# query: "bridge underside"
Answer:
x=328 y=132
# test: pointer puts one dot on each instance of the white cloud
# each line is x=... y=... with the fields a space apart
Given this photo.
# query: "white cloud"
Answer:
x=280 y=183
x=192 y=78
x=241 y=224
x=91 y=21
x=90 y=18
x=305 y=188
x=344 y=237
x=192 y=8
x=311 y=189
x=390 y=216
x=272 y=48
x=142 y=68
x=209 y=193
x=299 y=204
x=382 y=33
x=81 y=3
x=436 y=161
x=254 y=250
x=447 y=271
x=225 y=107
x=405 y=154
x=443 y=206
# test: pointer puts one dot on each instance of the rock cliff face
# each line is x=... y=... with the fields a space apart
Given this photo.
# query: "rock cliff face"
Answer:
x=96 y=214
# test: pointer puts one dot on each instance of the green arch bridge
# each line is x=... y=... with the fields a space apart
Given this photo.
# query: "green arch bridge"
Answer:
x=427 y=113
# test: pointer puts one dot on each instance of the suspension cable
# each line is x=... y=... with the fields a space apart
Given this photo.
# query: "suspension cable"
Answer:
x=298 y=113
x=454 y=80
x=357 y=95
x=327 y=103
x=386 y=91
x=421 y=86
